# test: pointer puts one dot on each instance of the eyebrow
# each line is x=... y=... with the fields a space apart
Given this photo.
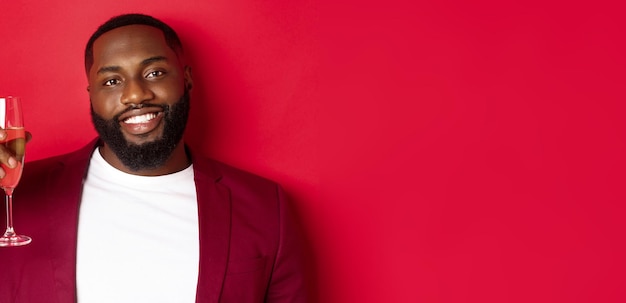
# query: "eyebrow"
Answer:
x=115 y=68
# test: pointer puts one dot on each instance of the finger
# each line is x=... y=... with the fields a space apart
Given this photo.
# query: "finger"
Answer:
x=6 y=156
x=3 y=135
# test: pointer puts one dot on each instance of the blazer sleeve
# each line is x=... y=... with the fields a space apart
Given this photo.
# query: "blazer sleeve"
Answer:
x=287 y=283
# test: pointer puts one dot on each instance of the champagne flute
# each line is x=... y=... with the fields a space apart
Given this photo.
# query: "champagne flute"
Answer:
x=11 y=121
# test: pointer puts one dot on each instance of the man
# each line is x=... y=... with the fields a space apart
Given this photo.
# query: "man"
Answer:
x=137 y=217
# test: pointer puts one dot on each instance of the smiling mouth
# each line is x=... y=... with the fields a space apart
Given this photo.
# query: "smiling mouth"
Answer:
x=140 y=119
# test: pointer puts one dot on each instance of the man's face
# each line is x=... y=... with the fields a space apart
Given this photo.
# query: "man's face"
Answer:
x=136 y=86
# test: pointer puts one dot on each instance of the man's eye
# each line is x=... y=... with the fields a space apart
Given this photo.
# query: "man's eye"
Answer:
x=154 y=74
x=111 y=82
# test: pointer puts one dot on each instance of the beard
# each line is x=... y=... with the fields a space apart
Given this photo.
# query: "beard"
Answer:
x=148 y=155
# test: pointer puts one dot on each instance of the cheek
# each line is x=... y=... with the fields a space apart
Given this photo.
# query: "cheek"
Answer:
x=105 y=106
x=168 y=92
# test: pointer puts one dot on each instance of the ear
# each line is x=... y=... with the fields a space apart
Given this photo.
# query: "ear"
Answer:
x=188 y=78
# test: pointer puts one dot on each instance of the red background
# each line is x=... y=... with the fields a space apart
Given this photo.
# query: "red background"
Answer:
x=437 y=151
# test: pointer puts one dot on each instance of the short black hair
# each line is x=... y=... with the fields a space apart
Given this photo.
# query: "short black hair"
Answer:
x=171 y=38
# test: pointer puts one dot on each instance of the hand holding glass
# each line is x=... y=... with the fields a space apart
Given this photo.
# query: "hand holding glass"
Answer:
x=14 y=142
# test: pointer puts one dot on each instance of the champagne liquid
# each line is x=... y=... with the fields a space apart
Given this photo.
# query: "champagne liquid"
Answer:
x=15 y=143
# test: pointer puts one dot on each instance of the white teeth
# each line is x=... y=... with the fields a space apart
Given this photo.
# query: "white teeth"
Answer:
x=140 y=119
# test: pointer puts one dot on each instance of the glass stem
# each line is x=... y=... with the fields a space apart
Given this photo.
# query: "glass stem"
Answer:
x=9 y=210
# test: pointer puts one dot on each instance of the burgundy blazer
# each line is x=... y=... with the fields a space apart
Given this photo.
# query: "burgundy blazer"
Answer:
x=249 y=250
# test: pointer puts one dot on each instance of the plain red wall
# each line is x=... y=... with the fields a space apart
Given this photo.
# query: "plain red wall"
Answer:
x=437 y=151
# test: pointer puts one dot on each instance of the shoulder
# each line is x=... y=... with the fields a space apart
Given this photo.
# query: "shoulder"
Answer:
x=75 y=160
x=229 y=175
x=249 y=194
x=47 y=163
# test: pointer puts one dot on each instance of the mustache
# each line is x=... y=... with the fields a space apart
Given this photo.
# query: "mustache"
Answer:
x=142 y=105
x=134 y=106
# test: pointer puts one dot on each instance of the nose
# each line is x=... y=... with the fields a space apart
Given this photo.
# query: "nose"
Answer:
x=136 y=92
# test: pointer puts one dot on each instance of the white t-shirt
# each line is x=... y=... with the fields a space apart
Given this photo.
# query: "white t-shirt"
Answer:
x=137 y=237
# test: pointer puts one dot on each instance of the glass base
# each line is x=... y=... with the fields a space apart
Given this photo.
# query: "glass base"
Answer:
x=14 y=240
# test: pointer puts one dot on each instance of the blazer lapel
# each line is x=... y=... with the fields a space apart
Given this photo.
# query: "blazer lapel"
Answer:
x=64 y=202
x=214 y=211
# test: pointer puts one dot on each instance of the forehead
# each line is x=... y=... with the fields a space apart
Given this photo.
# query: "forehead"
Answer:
x=123 y=44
